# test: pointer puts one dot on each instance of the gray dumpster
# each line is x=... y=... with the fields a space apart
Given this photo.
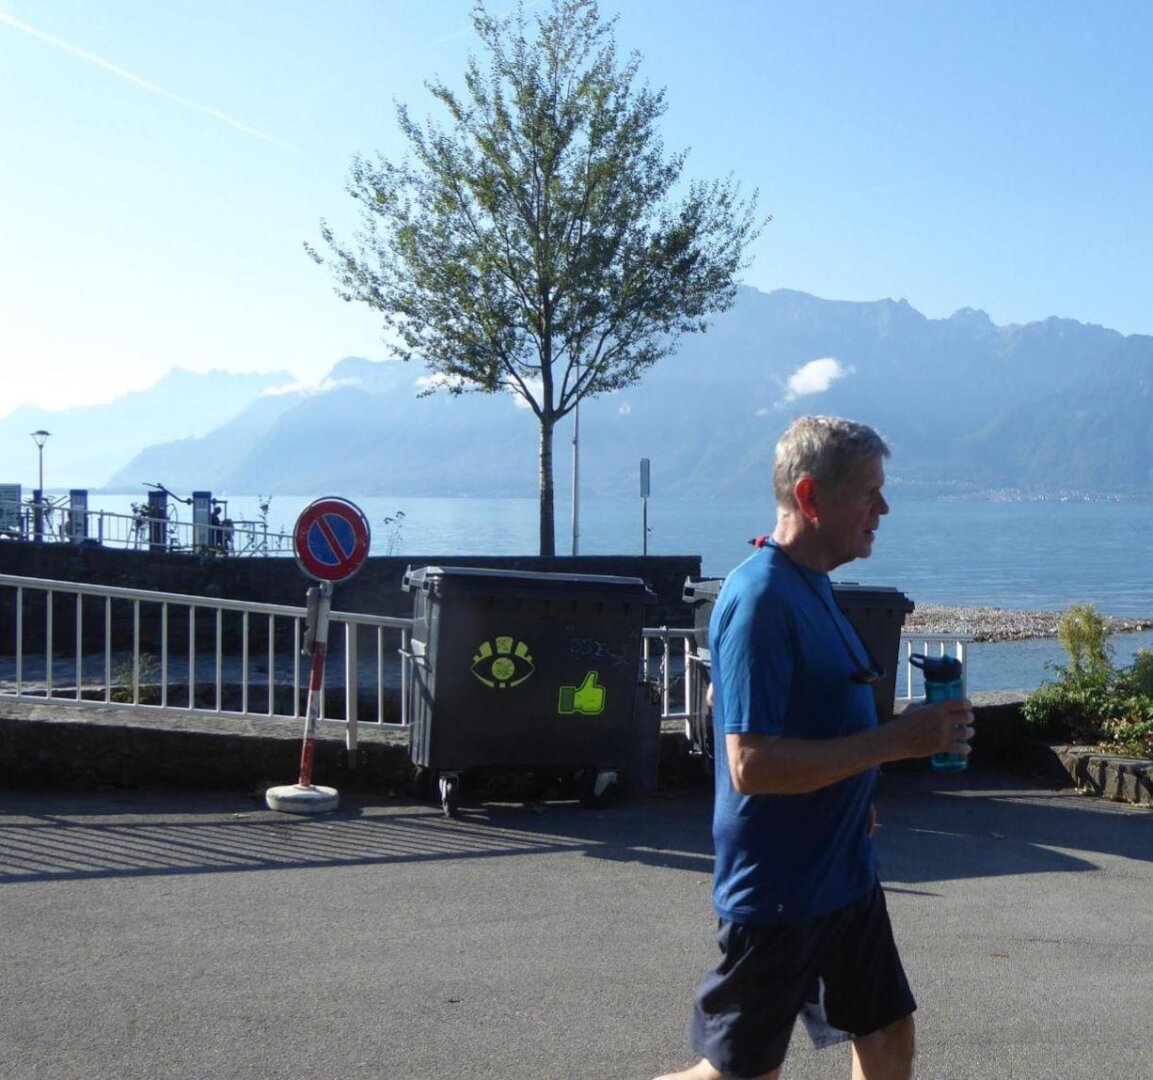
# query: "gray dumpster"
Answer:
x=513 y=669
x=877 y=613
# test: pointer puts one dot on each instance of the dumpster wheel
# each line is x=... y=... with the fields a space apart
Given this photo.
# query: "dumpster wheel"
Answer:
x=598 y=787
x=450 y=794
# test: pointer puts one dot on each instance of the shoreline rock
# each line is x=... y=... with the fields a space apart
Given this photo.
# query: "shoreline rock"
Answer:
x=1001 y=624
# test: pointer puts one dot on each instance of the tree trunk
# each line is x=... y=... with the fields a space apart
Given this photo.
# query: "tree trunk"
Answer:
x=547 y=503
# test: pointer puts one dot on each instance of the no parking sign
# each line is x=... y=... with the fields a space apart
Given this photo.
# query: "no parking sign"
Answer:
x=331 y=539
x=331 y=542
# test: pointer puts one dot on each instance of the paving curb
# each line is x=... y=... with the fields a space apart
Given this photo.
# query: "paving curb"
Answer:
x=1120 y=779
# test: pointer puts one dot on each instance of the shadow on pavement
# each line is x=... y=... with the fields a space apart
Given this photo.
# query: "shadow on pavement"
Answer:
x=931 y=830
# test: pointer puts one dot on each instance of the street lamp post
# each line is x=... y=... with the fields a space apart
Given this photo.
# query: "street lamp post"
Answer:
x=39 y=438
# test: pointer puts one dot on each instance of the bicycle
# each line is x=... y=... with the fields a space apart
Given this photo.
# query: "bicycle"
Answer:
x=171 y=520
x=47 y=519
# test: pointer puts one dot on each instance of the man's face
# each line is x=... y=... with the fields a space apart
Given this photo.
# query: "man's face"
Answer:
x=850 y=513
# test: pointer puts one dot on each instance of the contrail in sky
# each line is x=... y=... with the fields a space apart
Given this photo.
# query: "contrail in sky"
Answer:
x=151 y=87
x=468 y=29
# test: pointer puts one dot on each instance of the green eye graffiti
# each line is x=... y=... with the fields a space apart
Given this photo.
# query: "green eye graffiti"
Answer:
x=500 y=664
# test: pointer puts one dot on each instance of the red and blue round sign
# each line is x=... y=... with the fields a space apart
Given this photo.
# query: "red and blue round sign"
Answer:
x=331 y=539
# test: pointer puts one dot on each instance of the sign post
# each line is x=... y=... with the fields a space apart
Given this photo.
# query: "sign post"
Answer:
x=331 y=541
x=645 y=488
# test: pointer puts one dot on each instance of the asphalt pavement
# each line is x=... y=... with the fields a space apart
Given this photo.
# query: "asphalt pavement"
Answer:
x=163 y=936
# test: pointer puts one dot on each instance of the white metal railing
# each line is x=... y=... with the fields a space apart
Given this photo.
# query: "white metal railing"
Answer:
x=75 y=644
x=669 y=660
x=664 y=655
x=665 y=651
x=910 y=683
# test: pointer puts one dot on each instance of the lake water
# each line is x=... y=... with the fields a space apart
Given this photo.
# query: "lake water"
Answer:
x=1038 y=556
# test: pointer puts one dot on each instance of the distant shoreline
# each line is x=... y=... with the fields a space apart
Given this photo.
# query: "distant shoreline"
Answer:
x=1000 y=624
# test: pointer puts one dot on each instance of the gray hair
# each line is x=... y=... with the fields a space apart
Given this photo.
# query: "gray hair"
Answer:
x=827 y=448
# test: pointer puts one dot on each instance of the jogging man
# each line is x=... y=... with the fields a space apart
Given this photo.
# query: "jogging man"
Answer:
x=803 y=928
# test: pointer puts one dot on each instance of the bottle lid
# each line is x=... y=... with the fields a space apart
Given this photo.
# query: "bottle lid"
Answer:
x=938 y=668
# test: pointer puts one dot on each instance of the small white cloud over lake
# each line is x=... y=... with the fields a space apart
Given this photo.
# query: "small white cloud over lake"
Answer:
x=815 y=377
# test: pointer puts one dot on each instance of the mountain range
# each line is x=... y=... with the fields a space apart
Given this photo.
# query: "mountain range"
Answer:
x=967 y=406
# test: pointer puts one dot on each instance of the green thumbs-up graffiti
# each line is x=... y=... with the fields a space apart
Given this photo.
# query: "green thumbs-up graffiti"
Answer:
x=588 y=699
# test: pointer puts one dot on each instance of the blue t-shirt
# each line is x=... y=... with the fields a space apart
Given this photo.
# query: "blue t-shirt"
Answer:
x=780 y=667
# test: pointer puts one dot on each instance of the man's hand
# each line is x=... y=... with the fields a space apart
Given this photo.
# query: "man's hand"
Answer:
x=926 y=729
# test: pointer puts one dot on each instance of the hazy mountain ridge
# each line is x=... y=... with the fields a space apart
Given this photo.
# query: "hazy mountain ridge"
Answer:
x=966 y=405
x=89 y=444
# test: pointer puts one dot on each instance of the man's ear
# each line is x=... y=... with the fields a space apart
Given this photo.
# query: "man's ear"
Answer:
x=805 y=492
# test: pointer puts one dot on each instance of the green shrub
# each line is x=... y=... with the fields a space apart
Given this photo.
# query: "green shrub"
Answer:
x=1131 y=731
x=1064 y=711
x=149 y=692
x=1092 y=702
x=1141 y=674
x=1085 y=639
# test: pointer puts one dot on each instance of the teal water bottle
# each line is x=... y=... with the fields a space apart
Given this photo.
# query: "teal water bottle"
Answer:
x=944 y=681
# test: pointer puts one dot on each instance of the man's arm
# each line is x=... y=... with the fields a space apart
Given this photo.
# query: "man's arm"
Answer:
x=775 y=765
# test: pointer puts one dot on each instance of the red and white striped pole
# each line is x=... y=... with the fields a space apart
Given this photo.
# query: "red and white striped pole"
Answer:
x=304 y=797
x=315 y=682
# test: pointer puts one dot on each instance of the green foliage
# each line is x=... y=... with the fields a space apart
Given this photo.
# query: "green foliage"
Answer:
x=1085 y=639
x=1141 y=673
x=534 y=244
x=1091 y=702
x=136 y=686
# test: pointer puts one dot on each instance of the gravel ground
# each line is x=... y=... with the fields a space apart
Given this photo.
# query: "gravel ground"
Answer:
x=1000 y=624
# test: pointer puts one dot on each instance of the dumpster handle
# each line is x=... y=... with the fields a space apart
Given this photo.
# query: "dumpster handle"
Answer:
x=416 y=654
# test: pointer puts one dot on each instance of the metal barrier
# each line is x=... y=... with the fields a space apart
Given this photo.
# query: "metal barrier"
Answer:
x=929 y=645
x=86 y=645
x=55 y=522
x=663 y=661
x=664 y=654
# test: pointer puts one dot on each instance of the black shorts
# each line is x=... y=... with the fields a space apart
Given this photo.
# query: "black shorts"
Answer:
x=841 y=973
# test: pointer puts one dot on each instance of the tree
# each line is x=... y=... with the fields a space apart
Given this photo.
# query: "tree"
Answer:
x=534 y=244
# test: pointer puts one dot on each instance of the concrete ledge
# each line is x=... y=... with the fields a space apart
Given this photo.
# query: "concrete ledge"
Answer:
x=71 y=747
x=1121 y=779
x=60 y=746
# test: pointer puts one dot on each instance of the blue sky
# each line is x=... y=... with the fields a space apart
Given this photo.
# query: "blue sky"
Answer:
x=161 y=164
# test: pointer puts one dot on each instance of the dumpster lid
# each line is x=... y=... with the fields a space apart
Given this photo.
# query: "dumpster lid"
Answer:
x=886 y=596
x=483 y=579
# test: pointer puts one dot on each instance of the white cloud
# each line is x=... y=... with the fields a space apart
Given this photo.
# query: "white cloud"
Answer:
x=535 y=387
x=815 y=377
x=309 y=389
x=437 y=381
x=440 y=381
